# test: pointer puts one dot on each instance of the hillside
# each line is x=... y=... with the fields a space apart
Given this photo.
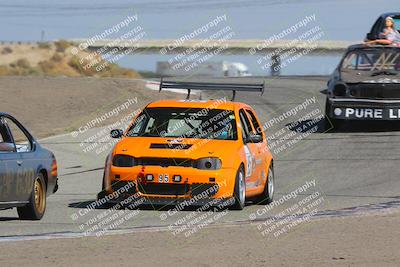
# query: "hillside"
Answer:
x=56 y=59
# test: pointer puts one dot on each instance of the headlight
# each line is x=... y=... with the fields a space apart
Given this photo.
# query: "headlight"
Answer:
x=123 y=161
x=208 y=164
x=340 y=89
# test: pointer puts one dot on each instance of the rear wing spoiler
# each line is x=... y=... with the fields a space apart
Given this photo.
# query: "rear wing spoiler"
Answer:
x=187 y=85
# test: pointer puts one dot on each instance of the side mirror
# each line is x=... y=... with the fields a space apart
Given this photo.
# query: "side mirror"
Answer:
x=254 y=138
x=7 y=147
x=116 y=133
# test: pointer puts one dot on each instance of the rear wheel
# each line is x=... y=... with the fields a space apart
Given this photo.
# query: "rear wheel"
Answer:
x=239 y=192
x=267 y=195
x=36 y=207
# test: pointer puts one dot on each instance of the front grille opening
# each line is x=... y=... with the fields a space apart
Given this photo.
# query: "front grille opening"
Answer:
x=165 y=162
x=164 y=189
x=124 y=187
x=376 y=91
x=201 y=190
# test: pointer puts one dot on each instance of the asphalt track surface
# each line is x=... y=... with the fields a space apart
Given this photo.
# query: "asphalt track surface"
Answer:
x=355 y=169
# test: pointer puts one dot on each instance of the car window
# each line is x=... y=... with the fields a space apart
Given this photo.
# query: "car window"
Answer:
x=185 y=123
x=246 y=125
x=5 y=138
x=256 y=125
x=178 y=127
x=150 y=125
x=350 y=61
x=138 y=125
x=22 y=142
x=2 y=132
x=397 y=23
x=372 y=60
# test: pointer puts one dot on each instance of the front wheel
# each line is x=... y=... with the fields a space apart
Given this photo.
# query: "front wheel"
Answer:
x=332 y=124
x=36 y=207
x=239 y=192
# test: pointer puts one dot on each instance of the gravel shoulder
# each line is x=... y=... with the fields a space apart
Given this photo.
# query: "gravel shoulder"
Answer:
x=348 y=241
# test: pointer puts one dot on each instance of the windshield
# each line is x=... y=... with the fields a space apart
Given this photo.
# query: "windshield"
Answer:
x=385 y=61
x=397 y=23
x=185 y=123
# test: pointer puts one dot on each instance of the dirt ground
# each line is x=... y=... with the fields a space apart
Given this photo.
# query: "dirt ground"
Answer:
x=76 y=100
x=350 y=241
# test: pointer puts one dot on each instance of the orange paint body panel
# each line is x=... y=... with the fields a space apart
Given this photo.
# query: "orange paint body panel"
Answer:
x=165 y=158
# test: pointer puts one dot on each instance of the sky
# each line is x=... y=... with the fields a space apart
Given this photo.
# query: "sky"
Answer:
x=24 y=20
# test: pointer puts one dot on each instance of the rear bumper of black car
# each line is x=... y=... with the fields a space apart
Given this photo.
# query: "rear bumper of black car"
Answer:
x=363 y=109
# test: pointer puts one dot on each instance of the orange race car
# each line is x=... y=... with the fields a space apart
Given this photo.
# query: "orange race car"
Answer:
x=192 y=150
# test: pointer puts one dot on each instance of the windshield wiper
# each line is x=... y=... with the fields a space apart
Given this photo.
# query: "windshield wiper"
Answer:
x=383 y=72
x=149 y=135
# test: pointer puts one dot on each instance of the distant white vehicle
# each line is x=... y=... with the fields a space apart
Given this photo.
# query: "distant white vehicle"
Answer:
x=208 y=69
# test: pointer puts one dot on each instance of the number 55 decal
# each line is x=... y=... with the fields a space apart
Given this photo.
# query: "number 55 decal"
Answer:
x=163 y=178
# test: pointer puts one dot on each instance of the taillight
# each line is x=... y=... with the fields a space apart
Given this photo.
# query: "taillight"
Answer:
x=54 y=172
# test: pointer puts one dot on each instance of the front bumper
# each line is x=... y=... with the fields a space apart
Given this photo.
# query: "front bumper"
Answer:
x=136 y=200
x=55 y=189
x=212 y=184
x=363 y=109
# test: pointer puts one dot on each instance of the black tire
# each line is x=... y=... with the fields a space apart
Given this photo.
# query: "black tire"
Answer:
x=332 y=124
x=36 y=207
x=239 y=192
x=102 y=194
x=267 y=195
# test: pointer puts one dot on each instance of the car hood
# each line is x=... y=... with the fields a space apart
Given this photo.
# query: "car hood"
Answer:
x=353 y=77
x=175 y=148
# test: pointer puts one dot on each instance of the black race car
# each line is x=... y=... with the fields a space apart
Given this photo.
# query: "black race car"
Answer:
x=28 y=172
x=379 y=25
x=365 y=85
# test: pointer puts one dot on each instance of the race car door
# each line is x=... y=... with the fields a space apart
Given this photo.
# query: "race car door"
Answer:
x=3 y=173
x=259 y=150
x=24 y=164
x=250 y=150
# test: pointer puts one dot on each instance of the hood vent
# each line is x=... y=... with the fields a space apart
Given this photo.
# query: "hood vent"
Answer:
x=170 y=146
